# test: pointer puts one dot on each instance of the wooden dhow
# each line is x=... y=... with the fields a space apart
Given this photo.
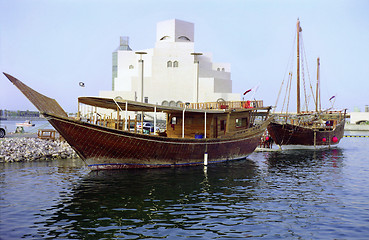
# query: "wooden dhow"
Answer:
x=210 y=132
x=307 y=128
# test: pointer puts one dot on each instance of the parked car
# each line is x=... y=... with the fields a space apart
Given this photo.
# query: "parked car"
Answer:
x=148 y=126
x=3 y=131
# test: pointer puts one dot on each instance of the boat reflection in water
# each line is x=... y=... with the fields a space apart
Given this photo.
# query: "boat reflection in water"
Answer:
x=305 y=158
x=238 y=198
x=153 y=202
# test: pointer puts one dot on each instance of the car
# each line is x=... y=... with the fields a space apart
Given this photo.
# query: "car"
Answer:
x=3 y=130
x=148 y=126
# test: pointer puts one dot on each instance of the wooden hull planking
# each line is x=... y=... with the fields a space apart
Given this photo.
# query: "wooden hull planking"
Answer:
x=108 y=148
x=105 y=148
x=288 y=134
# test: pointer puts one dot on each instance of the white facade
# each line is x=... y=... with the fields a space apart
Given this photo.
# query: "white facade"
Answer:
x=169 y=70
x=357 y=117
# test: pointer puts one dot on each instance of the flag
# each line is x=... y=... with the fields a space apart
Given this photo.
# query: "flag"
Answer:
x=332 y=98
x=247 y=91
x=251 y=89
x=81 y=84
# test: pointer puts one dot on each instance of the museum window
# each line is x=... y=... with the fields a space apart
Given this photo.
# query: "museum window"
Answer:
x=184 y=38
x=164 y=38
x=169 y=64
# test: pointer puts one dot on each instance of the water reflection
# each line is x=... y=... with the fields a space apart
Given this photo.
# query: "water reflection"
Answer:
x=301 y=158
x=155 y=203
x=289 y=194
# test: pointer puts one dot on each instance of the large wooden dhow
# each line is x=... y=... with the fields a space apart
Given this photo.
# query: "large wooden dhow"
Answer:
x=210 y=133
x=307 y=128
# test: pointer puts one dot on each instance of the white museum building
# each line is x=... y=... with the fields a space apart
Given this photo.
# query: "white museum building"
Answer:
x=171 y=72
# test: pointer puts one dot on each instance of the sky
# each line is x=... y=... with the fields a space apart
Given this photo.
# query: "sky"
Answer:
x=53 y=45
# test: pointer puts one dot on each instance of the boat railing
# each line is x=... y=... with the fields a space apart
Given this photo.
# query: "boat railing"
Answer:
x=224 y=105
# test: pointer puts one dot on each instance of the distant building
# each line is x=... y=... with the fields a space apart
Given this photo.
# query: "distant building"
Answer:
x=358 y=117
x=169 y=70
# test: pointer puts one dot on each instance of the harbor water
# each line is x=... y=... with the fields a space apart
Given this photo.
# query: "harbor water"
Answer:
x=11 y=125
x=290 y=194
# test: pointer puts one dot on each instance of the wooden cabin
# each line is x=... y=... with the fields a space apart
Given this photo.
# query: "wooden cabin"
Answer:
x=217 y=125
x=201 y=120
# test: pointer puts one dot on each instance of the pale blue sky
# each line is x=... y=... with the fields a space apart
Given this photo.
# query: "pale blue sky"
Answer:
x=53 y=45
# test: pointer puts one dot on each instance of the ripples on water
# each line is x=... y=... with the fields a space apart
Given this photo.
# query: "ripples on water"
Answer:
x=296 y=194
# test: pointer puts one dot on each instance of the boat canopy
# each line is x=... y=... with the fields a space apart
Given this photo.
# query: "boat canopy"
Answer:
x=110 y=103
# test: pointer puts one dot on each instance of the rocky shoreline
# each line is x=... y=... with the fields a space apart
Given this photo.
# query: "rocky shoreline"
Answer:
x=23 y=149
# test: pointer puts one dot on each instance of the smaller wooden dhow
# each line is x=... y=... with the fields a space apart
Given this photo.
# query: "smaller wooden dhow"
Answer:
x=311 y=128
x=195 y=134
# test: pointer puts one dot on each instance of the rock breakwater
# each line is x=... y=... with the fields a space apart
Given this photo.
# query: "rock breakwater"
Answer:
x=33 y=149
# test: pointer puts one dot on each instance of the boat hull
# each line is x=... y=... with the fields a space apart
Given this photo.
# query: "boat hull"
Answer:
x=288 y=134
x=24 y=125
x=106 y=148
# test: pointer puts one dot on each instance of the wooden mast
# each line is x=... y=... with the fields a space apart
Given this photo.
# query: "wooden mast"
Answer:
x=298 y=66
x=317 y=101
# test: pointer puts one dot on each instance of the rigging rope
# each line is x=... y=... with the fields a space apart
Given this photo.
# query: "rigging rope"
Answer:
x=308 y=73
x=289 y=93
x=285 y=95
x=290 y=66
x=303 y=72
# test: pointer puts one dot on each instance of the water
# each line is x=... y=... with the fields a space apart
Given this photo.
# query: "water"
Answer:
x=39 y=124
x=294 y=194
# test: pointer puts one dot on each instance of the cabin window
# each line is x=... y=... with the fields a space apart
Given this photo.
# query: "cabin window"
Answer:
x=241 y=122
x=218 y=69
x=169 y=64
x=223 y=125
x=146 y=99
x=131 y=67
x=173 y=120
x=165 y=103
x=175 y=64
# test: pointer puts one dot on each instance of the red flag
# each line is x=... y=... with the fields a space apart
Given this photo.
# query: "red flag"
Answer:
x=247 y=91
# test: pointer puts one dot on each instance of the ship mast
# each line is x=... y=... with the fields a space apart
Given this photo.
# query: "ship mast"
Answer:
x=298 y=66
x=317 y=87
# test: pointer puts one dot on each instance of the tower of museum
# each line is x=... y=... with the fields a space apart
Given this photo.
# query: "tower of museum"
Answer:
x=171 y=72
